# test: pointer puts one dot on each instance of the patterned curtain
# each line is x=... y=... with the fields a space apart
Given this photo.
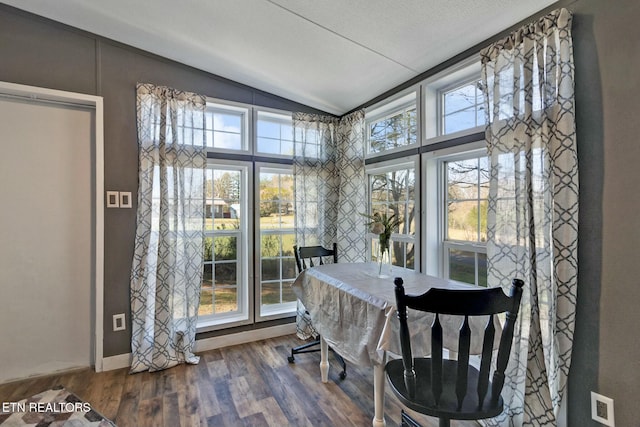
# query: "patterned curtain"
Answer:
x=353 y=189
x=330 y=190
x=166 y=272
x=533 y=208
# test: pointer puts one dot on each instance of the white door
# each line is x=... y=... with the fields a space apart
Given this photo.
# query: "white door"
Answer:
x=46 y=237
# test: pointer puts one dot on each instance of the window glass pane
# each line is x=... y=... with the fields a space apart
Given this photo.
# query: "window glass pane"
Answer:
x=223 y=278
x=482 y=270
x=395 y=130
x=274 y=133
x=225 y=127
x=226 y=300
x=393 y=193
x=462 y=266
x=276 y=227
x=462 y=108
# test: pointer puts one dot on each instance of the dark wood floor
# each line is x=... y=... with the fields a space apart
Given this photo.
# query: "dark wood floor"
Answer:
x=245 y=385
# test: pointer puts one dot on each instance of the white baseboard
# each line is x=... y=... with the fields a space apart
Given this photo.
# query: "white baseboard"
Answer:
x=245 y=337
x=116 y=362
x=124 y=360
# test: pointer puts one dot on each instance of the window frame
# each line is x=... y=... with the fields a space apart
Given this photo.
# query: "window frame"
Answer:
x=281 y=310
x=245 y=296
x=406 y=162
x=246 y=136
x=275 y=112
x=434 y=217
x=388 y=108
x=432 y=109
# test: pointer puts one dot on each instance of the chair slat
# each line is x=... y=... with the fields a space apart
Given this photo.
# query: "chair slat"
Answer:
x=485 y=363
x=464 y=343
x=436 y=359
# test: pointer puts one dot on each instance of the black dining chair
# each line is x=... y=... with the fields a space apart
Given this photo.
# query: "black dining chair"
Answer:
x=309 y=256
x=453 y=389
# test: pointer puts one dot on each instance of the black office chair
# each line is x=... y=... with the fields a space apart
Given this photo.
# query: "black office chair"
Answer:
x=313 y=255
x=453 y=389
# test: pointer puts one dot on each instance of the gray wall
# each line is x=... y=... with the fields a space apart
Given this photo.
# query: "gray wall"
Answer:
x=38 y=52
x=606 y=355
x=607 y=345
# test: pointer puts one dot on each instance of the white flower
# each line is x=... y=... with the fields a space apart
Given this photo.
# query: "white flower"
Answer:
x=377 y=228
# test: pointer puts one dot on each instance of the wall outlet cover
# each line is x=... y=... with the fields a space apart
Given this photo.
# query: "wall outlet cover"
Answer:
x=118 y=322
x=602 y=409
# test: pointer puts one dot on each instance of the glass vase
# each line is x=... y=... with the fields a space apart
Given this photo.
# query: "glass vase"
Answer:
x=384 y=263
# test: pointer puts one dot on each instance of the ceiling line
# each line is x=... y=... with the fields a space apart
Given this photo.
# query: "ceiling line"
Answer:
x=342 y=36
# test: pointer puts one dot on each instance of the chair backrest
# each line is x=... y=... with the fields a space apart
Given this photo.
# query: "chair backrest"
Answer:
x=309 y=256
x=474 y=302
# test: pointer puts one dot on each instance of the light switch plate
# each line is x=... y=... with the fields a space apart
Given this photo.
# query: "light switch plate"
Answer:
x=113 y=199
x=125 y=199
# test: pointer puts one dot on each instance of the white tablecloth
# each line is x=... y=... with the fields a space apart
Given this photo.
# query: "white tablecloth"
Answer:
x=354 y=311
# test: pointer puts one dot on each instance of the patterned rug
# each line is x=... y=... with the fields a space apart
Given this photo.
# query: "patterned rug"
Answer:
x=52 y=408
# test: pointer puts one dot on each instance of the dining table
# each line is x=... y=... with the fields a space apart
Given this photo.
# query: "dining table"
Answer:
x=352 y=307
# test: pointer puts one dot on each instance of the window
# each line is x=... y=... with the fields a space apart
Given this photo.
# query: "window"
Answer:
x=462 y=107
x=467 y=190
x=453 y=104
x=274 y=133
x=226 y=127
x=276 y=264
x=225 y=284
x=393 y=125
x=392 y=190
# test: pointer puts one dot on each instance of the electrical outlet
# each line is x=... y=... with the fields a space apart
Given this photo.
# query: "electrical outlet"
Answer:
x=602 y=409
x=118 y=322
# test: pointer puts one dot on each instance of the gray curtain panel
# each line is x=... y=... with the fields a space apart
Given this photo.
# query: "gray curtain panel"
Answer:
x=528 y=82
x=166 y=271
x=329 y=189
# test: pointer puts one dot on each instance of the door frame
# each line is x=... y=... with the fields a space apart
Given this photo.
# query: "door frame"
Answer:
x=96 y=103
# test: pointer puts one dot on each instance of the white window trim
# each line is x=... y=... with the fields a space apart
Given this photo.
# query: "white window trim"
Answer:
x=281 y=310
x=245 y=295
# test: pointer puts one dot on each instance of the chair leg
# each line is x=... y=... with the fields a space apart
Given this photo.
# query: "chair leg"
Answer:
x=303 y=349
x=445 y=422
x=340 y=360
x=407 y=421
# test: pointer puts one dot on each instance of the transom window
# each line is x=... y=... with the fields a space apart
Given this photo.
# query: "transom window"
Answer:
x=462 y=107
x=393 y=125
x=226 y=127
x=274 y=133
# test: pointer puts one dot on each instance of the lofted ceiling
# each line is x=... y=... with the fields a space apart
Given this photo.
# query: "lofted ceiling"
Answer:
x=333 y=55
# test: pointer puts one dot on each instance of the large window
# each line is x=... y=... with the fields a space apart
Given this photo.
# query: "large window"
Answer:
x=465 y=212
x=276 y=264
x=225 y=285
x=392 y=191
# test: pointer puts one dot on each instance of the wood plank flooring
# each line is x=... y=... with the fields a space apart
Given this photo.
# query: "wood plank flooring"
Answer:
x=244 y=385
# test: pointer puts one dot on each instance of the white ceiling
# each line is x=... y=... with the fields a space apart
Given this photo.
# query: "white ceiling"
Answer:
x=333 y=55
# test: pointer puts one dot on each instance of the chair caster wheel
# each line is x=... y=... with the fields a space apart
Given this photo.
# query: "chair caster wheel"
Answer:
x=291 y=359
x=343 y=375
